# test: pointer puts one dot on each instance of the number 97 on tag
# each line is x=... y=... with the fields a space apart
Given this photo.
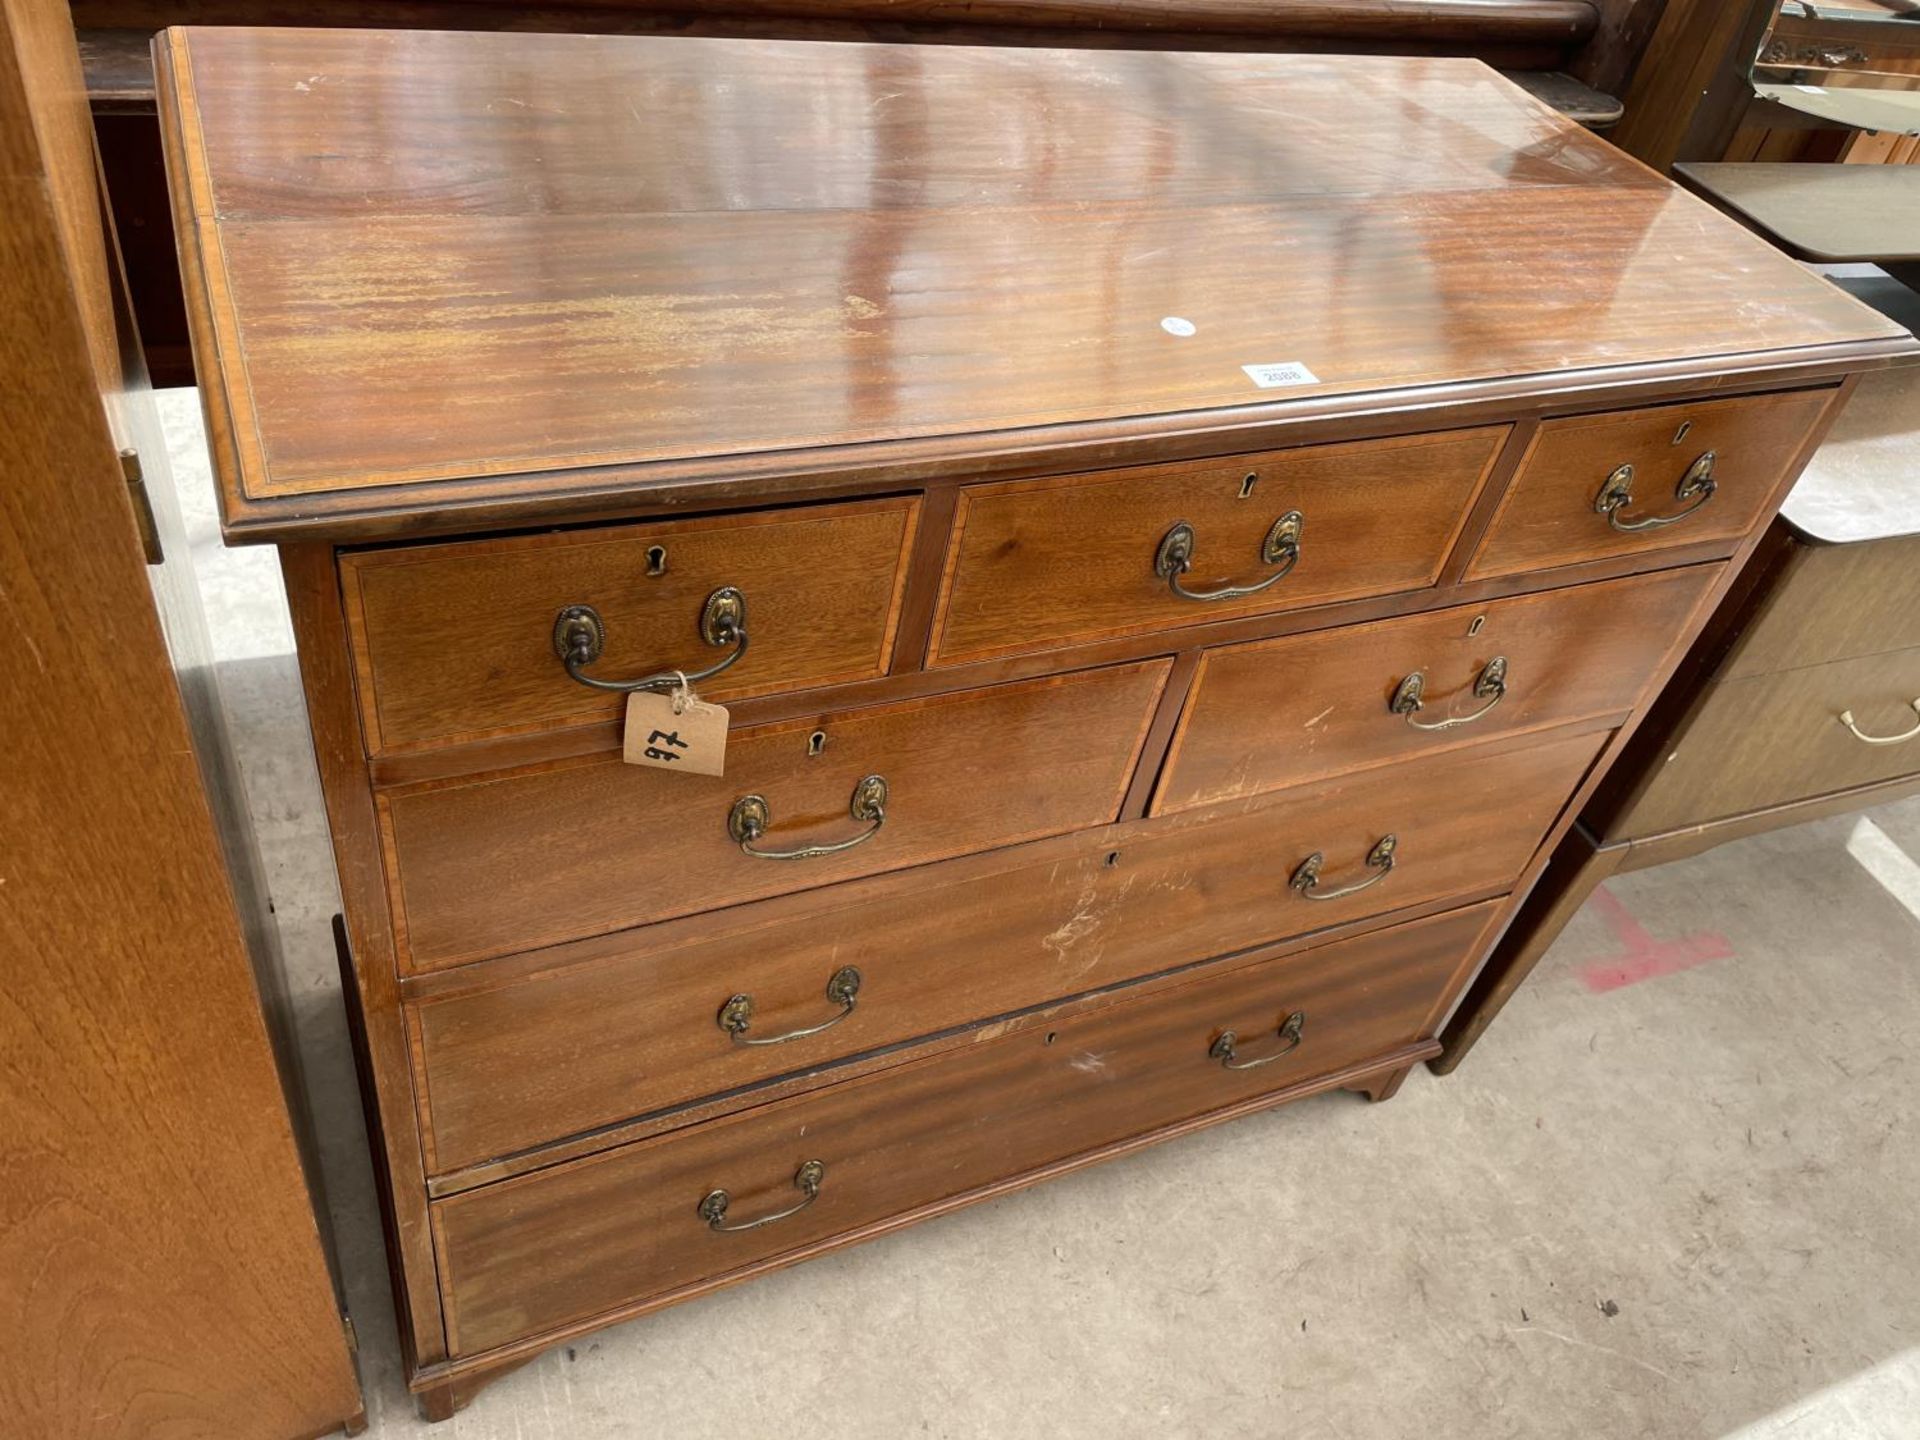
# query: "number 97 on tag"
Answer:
x=676 y=731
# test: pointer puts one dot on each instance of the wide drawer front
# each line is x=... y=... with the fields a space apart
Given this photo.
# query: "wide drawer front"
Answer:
x=1041 y=563
x=457 y=641
x=1595 y=486
x=1283 y=712
x=1836 y=602
x=1770 y=739
x=639 y=1023
x=530 y=1254
x=483 y=866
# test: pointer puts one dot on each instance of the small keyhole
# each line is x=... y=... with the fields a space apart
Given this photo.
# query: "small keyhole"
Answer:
x=1474 y=629
x=1681 y=433
x=1113 y=858
x=1051 y=1036
x=816 y=742
x=656 y=560
x=1247 y=482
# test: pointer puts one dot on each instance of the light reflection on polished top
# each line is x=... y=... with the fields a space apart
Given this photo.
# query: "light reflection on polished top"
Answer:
x=439 y=256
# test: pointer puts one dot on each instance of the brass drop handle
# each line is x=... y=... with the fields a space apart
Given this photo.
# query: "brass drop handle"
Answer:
x=580 y=638
x=1696 y=487
x=736 y=1016
x=1306 y=876
x=1846 y=719
x=807 y=1179
x=1409 y=697
x=1288 y=1030
x=1174 y=558
x=748 y=821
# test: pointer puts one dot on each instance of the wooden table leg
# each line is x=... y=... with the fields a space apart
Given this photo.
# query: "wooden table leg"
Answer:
x=1575 y=871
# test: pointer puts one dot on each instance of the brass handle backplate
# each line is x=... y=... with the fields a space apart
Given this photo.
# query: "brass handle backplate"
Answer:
x=1696 y=487
x=1174 y=558
x=750 y=816
x=736 y=1016
x=1288 y=1031
x=1306 y=876
x=807 y=1179
x=1409 y=697
x=580 y=638
x=1846 y=719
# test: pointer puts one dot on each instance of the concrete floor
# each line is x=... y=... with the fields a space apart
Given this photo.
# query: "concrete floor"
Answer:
x=1678 y=1207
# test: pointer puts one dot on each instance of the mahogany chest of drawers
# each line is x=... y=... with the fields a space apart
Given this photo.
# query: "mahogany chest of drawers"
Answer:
x=1177 y=537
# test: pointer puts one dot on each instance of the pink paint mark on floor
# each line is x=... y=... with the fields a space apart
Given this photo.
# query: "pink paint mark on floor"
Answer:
x=1645 y=957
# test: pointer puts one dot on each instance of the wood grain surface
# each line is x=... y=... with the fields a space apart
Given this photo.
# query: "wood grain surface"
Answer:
x=49 y=137
x=312 y=152
x=1766 y=740
x=1547 y=517
x=1285 y=712
x=623 y=1026
x=455 y=642
x=499 y=863
x=161 y=1272
x=312 y=580
x=1834 y=603
x=532 y=1253
x=352 y=275
x=470 y=284
x=1691 y=88
x=1541 y=29
x=1039 y=563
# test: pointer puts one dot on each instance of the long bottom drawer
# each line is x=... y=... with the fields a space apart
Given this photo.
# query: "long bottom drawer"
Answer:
x=588 y=1238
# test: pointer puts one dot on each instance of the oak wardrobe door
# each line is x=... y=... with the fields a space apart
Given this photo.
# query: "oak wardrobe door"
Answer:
x=161 y=1268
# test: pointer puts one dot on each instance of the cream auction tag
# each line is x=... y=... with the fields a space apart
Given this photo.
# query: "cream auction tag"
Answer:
x=676 y=731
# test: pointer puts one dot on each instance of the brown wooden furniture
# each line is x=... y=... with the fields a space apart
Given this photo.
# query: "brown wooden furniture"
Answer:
x=1189 y=575
x=161 y=1272
x=1831 y=214
x=1691 y=92
x=1776 y=81
x=1575 y=54
x=1801 y=698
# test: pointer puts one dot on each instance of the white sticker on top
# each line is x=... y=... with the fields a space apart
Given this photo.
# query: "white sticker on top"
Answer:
x=1287 y=372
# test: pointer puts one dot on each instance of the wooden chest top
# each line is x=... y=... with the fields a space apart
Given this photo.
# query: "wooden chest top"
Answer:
x=527 y=276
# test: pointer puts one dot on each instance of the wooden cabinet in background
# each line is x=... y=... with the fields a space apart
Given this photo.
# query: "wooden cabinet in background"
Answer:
x=162 y=1271
x=1166 y=444
x=1800 y=699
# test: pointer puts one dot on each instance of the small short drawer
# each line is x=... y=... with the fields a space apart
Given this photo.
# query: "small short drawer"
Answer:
x=1769 y=740
x=485 y=865
x=583 y=1239
x=629 y=1025
x=1595 y=486
x=457 y=641
x=1420 y=684
x=1036 y=564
